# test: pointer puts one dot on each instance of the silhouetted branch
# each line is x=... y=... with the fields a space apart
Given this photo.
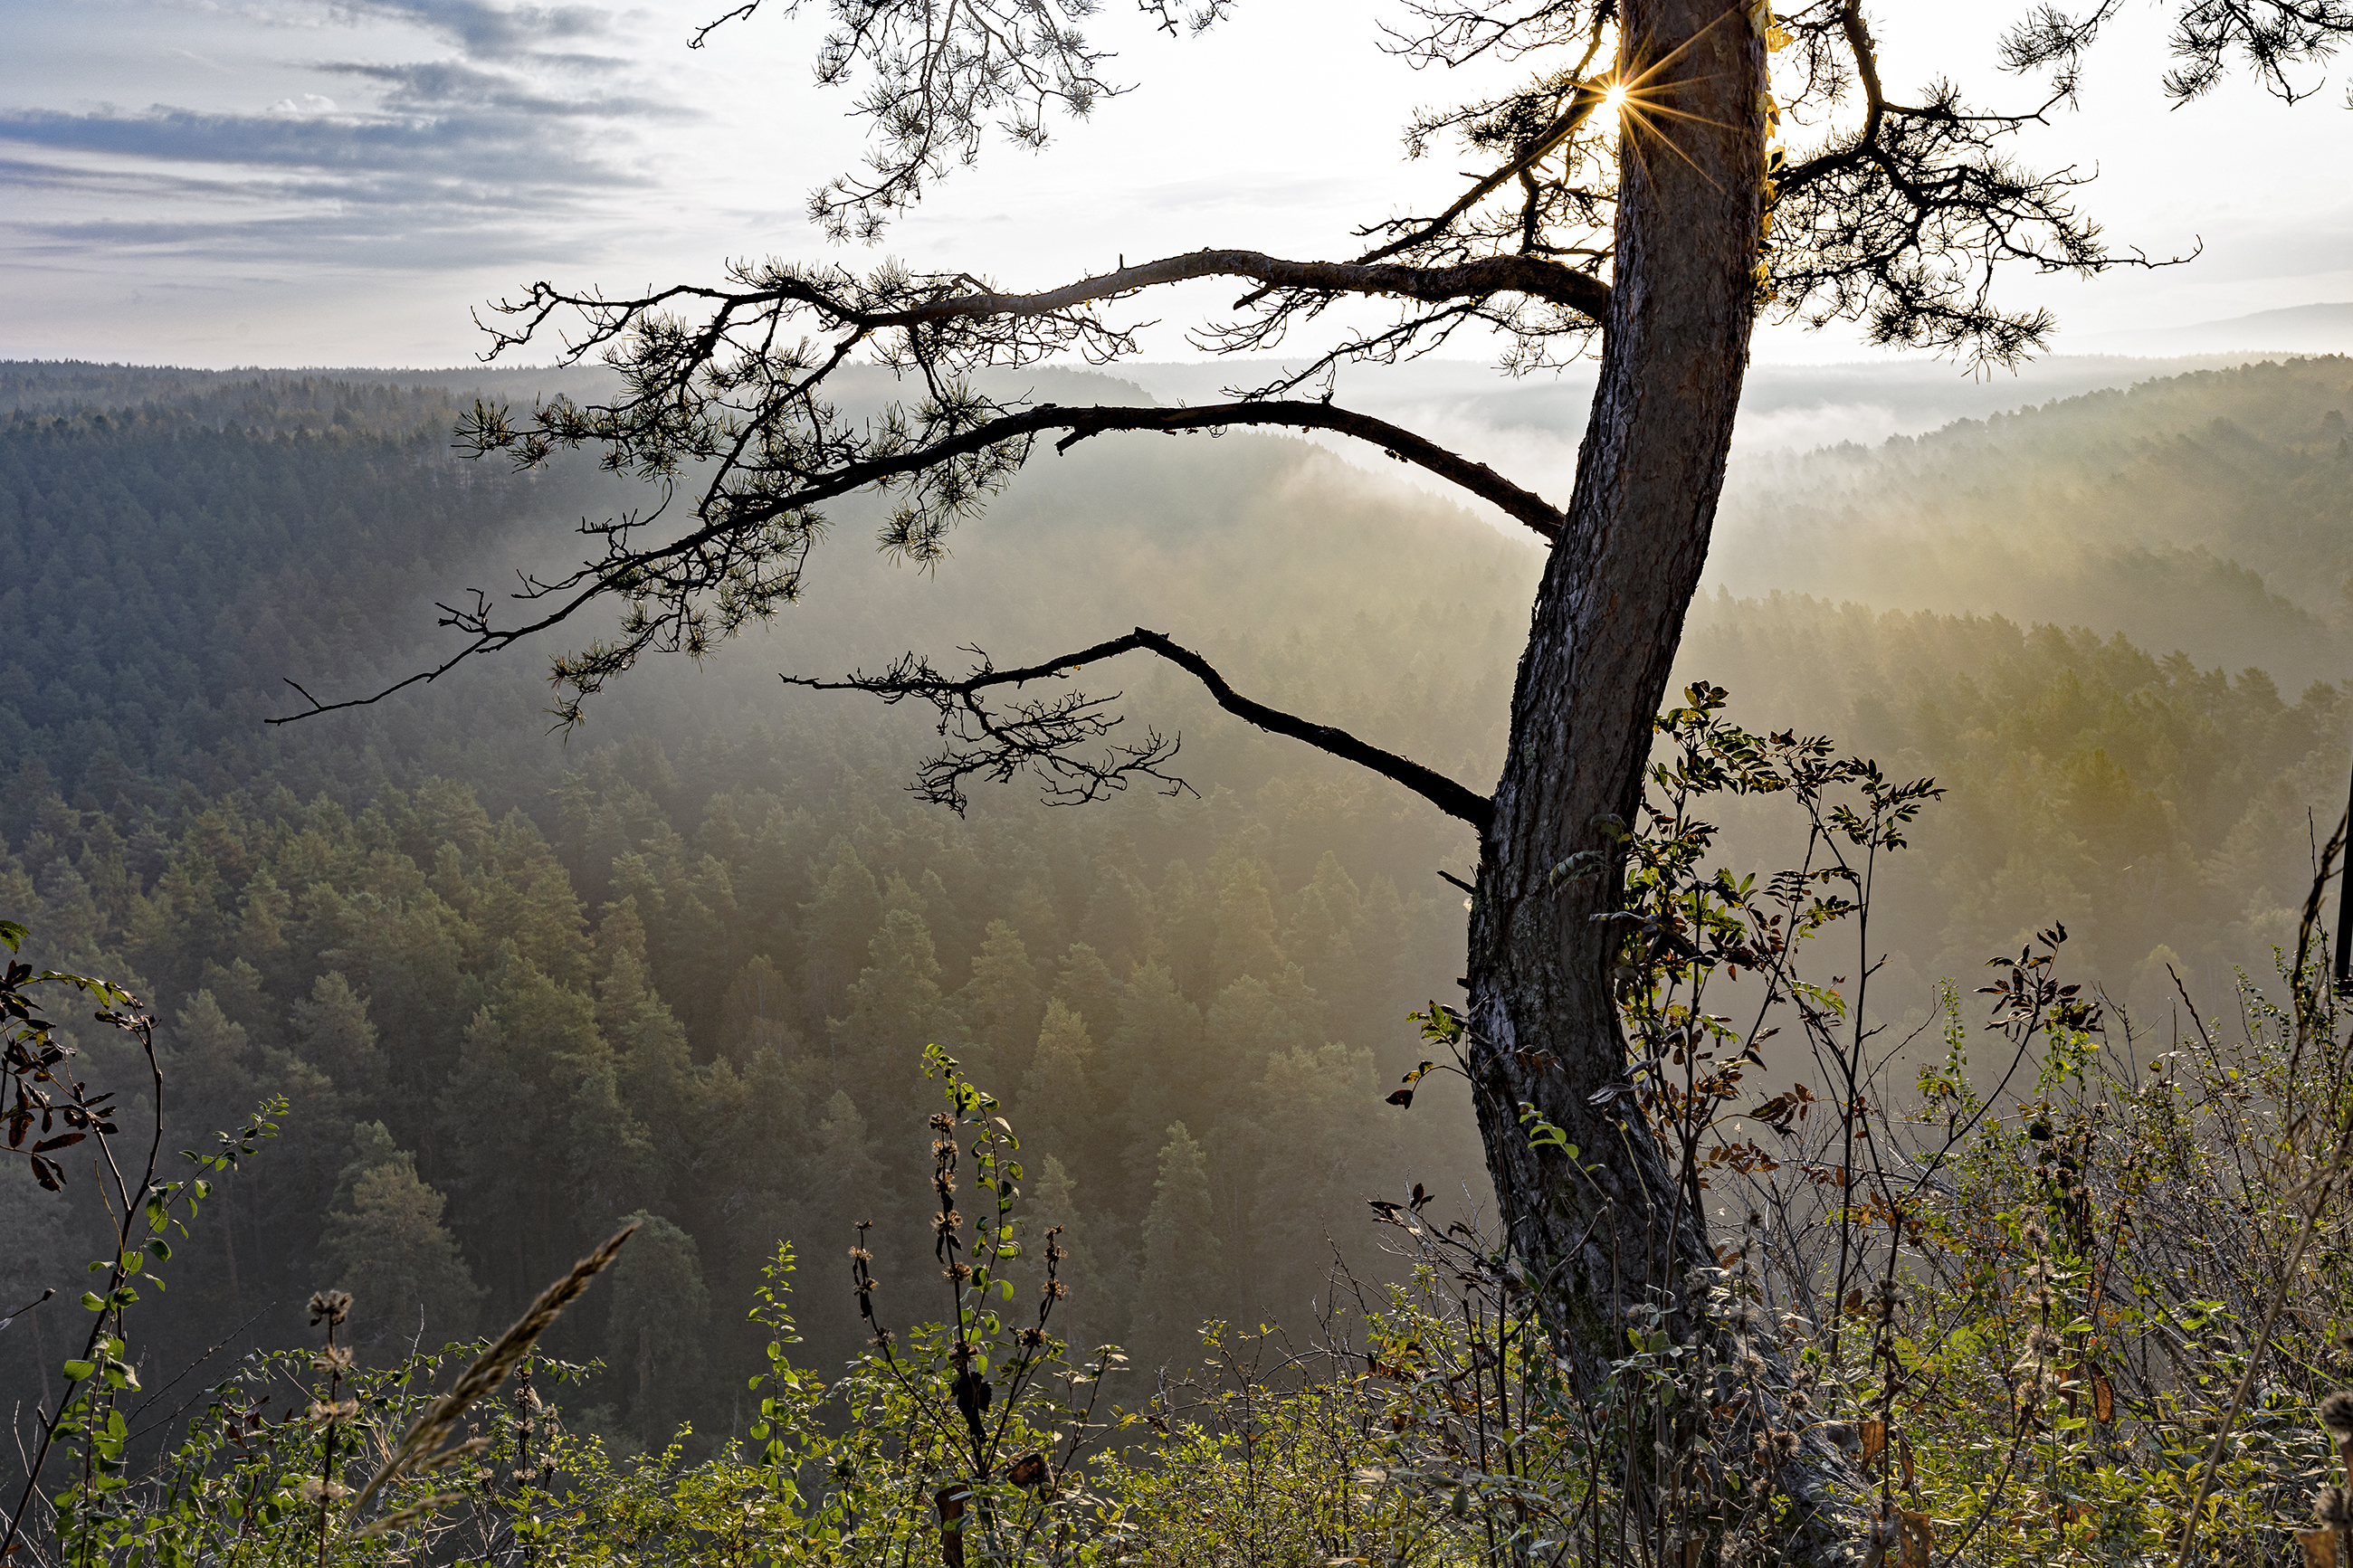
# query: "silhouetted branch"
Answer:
x=1903 y=221
x=739 y=567
x=1042 y=736
x=1900 y=217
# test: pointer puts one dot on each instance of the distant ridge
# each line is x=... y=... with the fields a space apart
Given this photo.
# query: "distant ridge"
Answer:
x=2301 y=329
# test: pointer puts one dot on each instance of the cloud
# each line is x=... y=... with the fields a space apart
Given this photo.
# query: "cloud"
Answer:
x=486 y=31
x=320 y=238
x=437 y=87
x=458 y=170
x=484 y=145
x=252 y=152
x=410 y=163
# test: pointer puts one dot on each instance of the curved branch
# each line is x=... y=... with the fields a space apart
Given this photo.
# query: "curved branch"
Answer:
x=1533 y=276
x=699 y=561
x=1530 y=275
x=1039 y=735
x=1522 y=506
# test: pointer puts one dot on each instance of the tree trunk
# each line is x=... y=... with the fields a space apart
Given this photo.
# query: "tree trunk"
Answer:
x=1606 y=624
x=1545 y=1023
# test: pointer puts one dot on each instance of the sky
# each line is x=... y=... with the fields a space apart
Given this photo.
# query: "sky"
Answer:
x=218 y=182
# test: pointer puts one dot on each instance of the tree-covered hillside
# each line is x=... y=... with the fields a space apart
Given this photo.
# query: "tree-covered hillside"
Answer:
x=2211 y=512
x=517 y=987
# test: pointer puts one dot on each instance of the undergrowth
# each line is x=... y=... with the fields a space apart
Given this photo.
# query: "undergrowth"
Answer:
x=2054 y=1285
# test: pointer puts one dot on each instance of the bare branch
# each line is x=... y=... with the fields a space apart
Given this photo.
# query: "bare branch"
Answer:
x=1042 y=737
x=1456 y=34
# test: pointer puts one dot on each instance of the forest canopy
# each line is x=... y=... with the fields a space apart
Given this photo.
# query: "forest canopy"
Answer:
x=687 y=960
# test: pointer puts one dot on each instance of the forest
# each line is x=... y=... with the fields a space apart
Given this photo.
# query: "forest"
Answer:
x=505 y=992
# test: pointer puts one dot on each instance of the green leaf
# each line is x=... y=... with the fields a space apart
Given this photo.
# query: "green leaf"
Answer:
x=91 y=1303
x=77 y=1369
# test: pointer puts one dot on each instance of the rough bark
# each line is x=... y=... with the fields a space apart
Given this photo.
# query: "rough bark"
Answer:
x=1607 y=620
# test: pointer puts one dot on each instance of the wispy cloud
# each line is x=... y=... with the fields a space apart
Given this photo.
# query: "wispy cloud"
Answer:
x=440 y=87
x=486 y=31
x=414 y=163
x=486 y=146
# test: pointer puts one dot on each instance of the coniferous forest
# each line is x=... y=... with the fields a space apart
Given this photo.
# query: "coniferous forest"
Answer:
x=500 y=991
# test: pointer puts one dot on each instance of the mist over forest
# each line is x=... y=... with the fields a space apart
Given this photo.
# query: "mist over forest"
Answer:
x=681 y=963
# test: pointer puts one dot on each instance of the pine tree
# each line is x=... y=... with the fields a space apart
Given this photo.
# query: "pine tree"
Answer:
x=1084 y=982
x=527 y=898
x=1057 y=1103
x=243 y=995
x=1153 y=1061
x=1321 y=934
x=1324 y=1149
x=702 y=945
x=838 y=924
x=37 y=1254
x=1182 y=1274
x=895 y=1010
x=331 y=1032
x=1001 y=1006
x=313 y=1136
x=1099 y=1286
x=1245 y=942
x=371 y=1145
x=623 y=978
x=844 y=1184
x=1034 y=916
x=403 y=954
x=262 y=909
x=751 y=1015
x=385 y=1244
x=1188 y=918
x=653 y=1067
x=1119 y=921
x=1375 y=1014
x=506 y=1118
x=611 y=1158
x=657 y=1324
x=775 y=875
